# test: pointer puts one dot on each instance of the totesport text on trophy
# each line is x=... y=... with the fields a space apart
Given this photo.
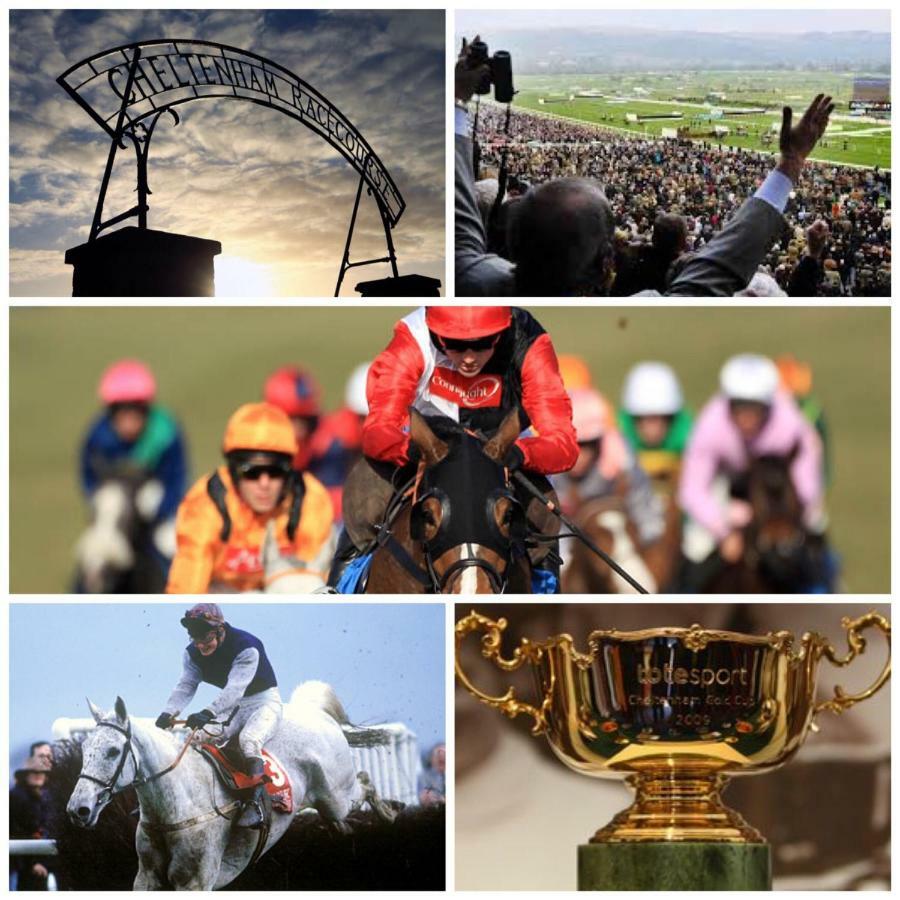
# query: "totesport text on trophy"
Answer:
x=676 y=711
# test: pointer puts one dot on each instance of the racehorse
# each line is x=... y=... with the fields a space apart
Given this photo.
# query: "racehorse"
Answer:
x=186 y=837
x=288 y=574
x=780 y=554
x=605 y=521
x=457 y=528
x=115 y=553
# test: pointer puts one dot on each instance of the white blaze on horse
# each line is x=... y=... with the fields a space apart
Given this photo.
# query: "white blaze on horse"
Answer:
x=114 y=553
x=187 y=838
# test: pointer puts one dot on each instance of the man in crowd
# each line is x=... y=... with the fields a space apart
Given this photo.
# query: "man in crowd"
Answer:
x=29 y=817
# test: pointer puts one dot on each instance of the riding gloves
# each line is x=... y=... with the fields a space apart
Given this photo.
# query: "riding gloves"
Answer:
x=165 y=720
x=514 y=459
x=199 y=719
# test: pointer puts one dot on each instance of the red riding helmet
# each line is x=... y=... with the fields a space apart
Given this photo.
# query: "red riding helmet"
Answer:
x=457 y=322
x=293 y=390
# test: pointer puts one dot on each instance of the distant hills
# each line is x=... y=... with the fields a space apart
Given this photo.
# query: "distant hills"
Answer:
x=631 y=49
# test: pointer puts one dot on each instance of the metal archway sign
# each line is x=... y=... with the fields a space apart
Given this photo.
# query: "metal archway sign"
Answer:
x=126 y=89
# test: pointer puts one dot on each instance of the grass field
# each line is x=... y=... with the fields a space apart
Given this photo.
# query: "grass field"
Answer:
x=849 y=141
x=208 y=361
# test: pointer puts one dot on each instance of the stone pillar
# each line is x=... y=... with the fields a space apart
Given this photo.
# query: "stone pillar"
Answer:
x=139 y=262
x=402 y=286
x=674 y=866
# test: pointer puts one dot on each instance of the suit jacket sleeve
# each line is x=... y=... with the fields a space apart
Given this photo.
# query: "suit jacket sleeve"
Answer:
x=478 y=273
x=728 y=262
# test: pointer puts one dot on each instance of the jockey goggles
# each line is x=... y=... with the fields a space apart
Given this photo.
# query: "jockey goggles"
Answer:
x=460 y=345
x=198 y=629
x=254 y=471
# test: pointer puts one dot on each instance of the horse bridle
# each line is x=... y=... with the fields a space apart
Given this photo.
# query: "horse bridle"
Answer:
x=109 y=787
x=498 y=580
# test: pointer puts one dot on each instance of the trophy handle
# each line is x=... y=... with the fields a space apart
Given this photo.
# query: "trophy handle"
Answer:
x=856 y=644
x=490 y=649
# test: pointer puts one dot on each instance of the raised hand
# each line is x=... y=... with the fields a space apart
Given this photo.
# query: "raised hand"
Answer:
x=796 y=142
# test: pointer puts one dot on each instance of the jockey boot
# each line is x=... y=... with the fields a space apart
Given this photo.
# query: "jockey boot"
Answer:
x=253 y=815
x=344 y=554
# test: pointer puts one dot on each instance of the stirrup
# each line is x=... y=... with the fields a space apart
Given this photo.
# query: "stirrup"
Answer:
x=252 y=815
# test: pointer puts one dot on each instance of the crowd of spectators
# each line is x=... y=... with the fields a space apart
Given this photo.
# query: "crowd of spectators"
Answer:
x=848 y=255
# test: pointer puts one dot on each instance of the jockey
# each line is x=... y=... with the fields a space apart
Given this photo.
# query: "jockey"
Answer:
x=751 y=416
x=222 y=521
x=574 y=371
x=471 y=364
x=134 y=432
x=606 y=467
x=797 y=379
x=328 y=444
x=235 y=661
x=655 y=421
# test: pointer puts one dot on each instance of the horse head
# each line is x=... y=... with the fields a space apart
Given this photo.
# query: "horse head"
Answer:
x=777 y=535
x=121 y=506
x=108 y=765
x=286 y=574
x=465 y=514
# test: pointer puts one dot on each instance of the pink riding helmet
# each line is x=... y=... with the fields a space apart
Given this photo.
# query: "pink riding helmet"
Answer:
x=127 y=381
x=590 y=414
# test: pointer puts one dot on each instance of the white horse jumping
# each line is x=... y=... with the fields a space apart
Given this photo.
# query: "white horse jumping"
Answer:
x=187 y=838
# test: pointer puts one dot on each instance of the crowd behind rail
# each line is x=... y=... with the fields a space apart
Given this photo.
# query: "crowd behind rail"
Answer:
x=705 y=183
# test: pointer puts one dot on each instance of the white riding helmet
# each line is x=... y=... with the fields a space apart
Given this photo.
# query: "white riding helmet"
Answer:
x=652 y=389
x=749 y=377
x=355 y=392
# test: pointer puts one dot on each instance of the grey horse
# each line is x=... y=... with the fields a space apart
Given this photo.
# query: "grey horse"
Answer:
x=187 y=838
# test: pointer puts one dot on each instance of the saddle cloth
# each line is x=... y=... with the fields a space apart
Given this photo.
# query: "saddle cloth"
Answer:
x=278 y=786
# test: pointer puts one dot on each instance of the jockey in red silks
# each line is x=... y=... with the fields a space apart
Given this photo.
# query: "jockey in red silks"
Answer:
x=328 y=444
x=473 y=365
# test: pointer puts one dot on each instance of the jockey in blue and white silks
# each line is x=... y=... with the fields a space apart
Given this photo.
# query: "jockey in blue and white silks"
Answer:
x=235 y=661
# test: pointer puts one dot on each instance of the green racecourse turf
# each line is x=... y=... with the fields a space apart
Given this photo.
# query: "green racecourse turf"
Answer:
x=208 y=361
x=742 y=89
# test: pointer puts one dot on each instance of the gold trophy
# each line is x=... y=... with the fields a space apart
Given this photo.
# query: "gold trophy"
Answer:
x=676 y=712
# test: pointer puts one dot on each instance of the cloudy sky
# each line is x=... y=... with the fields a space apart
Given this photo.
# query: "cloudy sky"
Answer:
x=274 y=194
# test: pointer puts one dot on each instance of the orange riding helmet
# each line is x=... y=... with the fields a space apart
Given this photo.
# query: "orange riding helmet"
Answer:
x=261 y=427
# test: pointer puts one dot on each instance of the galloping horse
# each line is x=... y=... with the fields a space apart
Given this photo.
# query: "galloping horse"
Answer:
x=458 y=527
x=115 y=552
x=780 y=554
x=187 y=838
x=605 y=521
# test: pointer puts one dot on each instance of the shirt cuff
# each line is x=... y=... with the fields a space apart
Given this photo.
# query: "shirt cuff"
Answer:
x=462 y=125
x=775 y=190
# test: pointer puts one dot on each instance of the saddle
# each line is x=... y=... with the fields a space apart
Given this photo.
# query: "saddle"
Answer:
x=227 y=762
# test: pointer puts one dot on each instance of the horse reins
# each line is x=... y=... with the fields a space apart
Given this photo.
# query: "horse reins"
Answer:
x=110 y=785
x=574 y=530
x=429 y=577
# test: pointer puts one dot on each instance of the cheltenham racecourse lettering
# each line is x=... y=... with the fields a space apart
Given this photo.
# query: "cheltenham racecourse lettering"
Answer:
x=172 y=72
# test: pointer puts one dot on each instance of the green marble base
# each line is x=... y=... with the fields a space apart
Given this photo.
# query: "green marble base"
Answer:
x=673 y=866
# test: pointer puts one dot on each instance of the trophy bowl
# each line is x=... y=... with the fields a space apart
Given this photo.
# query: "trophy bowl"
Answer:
x=674 y=711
